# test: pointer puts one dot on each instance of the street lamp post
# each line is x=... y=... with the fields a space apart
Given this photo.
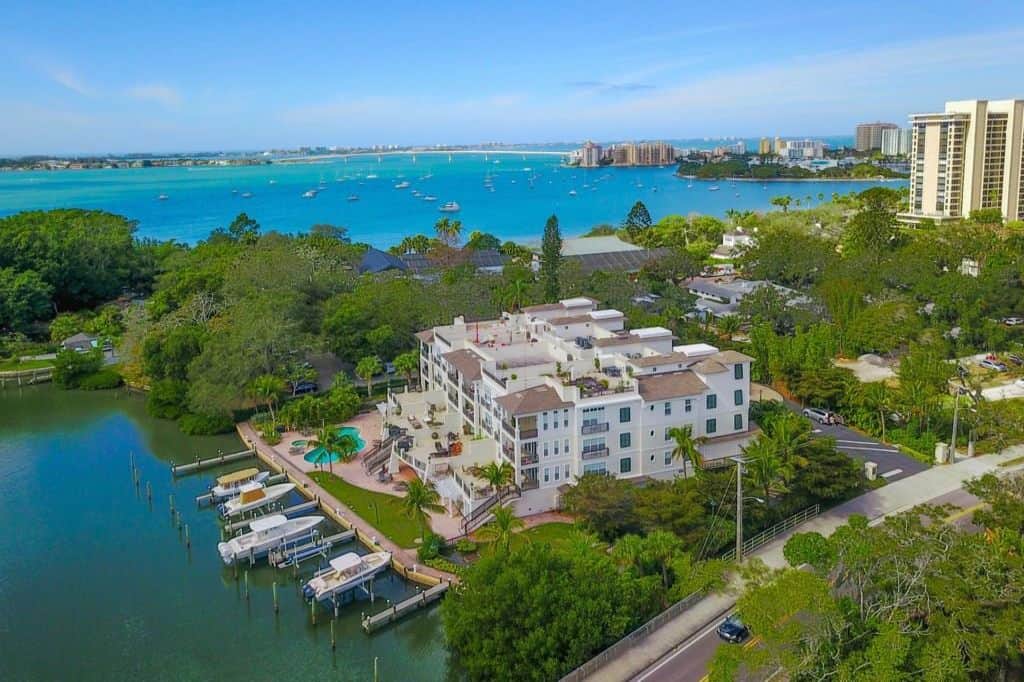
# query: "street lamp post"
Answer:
x=739 y=509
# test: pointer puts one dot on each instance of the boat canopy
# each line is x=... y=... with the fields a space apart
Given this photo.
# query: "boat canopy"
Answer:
x=346 y=561
x=252 y=492
x=237 y=476
x=268 y=522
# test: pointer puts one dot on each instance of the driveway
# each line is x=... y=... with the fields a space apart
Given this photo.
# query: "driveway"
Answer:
x=1006 y=391
x=892 y=464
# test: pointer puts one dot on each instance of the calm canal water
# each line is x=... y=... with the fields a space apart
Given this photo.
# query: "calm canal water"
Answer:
x=96 y=583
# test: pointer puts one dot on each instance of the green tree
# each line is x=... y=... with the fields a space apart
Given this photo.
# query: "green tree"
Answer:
x=687 y=448
x=551 y=259
x=448 y=231
x=500 y=529
x=24 y=298
x=419 y=501
x=70 y=367
x=764 y=466
x=498 y=476
x=368 y=368
x=482 y=240
x=637 y=220
x=267 y=389
x=407 y=364
x=782 y=202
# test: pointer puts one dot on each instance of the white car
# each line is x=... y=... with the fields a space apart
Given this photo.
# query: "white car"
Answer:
x=817 y=414
x=1013 y=321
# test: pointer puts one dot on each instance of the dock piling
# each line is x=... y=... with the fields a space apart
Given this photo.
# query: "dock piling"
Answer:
x=188 y=540
x=275 y=597
x=247 y=585
x=333 y=644
x=170 y=499
x=312 y=610
x=149 y=491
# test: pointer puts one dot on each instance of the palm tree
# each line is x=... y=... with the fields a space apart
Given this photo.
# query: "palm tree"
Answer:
x=501 y=529
x=783 y=202
x=331 y=442
x=728 y=325
x=660 y=547
x=763 y=464
x=448 y=231
x=497 y=475
x=876 y=398
x=407 y=364
x=687 y=448
x=791 y=436
x=267 y=389
x=347 y=447
x=420 y=499
x=628 y=552
x=367 y=368
x=514 y=294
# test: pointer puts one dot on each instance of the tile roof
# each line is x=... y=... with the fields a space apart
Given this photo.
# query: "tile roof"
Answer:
x=628 y=261
x=543 y=307
x=426 y=336
x=571 y=319
x=375 y=260
x=466 y=362
x=710 y=367
x=671 y=385
x=731 y=356
x=532 y=400
x=655 y=360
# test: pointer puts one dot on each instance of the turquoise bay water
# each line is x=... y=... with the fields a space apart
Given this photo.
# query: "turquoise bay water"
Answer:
x=201 y=199
x=96 y=583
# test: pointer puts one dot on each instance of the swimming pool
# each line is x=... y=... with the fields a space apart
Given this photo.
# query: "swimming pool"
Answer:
x=320 y=455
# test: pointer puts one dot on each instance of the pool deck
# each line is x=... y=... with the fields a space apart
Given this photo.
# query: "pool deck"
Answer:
x=404 y=561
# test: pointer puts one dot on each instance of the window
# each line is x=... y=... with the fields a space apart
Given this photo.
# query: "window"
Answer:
x=668 y=409
x=592 y=444
x=624 y=415
x=668 y=458
x=566 y=470
x=668 y=436
x=624 y=440
x=599 y=468
x=712 y=401
x=546 y=453
x=710 y=426
x=565 y=449
x=737 y=397
x=625 y=465
x=544 y=416
x=687 y=405
x=592 y=415
x=737 y=422
x=556 y=448
x=652 y=407
x=565 y=419
x=547 y=474
x=556 y=472
x=737 y=371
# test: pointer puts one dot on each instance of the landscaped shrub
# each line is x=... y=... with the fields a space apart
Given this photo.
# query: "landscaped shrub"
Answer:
x=465 y=546
x=205 y=424
x=442 y=564
x=270 y=435
x=431 y=547
x=166 y=398
x=103 y=379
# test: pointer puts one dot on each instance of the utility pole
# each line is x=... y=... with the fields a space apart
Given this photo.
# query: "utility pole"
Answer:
x=739 y=508
x=956 y=419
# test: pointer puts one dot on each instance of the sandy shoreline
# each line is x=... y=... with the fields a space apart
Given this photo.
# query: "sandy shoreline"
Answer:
x=767 y=180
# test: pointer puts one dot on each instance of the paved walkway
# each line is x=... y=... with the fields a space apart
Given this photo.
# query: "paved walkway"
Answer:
x=400 y=555
x=896 y=497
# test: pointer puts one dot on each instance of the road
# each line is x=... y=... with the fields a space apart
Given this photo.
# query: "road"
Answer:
x=689 y=661
x=892 y=464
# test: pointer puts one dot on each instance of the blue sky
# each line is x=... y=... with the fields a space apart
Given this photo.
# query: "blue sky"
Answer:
x=104 y=76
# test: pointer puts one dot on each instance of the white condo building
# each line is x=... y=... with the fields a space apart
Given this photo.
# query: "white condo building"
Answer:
x=969 y=157
x=897 y=141
x=559 y=390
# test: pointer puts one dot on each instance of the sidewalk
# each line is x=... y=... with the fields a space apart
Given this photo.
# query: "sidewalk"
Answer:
x=891 y=499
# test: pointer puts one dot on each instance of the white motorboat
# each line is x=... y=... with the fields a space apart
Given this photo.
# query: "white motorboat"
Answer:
x=371 y=176
x=713 y=188
x=253 y=496
x=309 y=194
x=229 y=485
x=450 y=207
x=430 y=197
x=345 y=572
x=353 y=197
x=246 y=195
x=163 y=197
x=572 y=192
x=404 y=184
x=265 y=534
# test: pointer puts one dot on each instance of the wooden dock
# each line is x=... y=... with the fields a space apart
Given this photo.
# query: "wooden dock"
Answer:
x=26 y=377
x=200 y=464
x=296 y=554
x=289 y=512
x=400 y=609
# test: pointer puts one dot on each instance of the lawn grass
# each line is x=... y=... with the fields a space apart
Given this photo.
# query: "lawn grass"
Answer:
x=556 y=534
x=22 y=365
x=388 y=516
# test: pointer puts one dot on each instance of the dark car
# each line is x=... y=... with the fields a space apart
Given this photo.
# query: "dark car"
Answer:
x=733 y=630
x=304 y=387
x=1015 y=359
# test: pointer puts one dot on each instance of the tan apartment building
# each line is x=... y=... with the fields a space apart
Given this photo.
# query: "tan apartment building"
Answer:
x=869 y=135
x=966 y=158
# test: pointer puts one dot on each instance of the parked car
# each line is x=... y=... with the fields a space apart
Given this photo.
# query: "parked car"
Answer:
x=817 y=414
x=1013 y=321
x=1015 y=359
x=733 y=630
x=989 y=363
x=303 y=387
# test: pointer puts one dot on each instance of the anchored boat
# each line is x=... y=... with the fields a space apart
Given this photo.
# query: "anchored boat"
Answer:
x=229 y=485
x=450 y=207
x=253 y=496
x=266 y=534
x=345 y=572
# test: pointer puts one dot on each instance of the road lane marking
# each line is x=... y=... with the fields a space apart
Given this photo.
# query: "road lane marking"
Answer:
x=694 y=639
x=887 y=451
x=956 y=516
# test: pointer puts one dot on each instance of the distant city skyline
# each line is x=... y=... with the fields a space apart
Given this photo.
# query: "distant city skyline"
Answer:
x=82 y=79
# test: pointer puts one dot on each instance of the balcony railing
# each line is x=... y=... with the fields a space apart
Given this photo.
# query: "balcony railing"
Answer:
x=509 y=428
x=528 y=433
x=600 y=427
x=595 y=453
x=527 y=459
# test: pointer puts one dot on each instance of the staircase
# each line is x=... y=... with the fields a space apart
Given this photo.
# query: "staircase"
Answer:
x=378 y=455
x=482 y=513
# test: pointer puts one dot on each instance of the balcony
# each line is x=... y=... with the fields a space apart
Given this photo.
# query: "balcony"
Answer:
x=528 y=433
x=529 y=484
x=594 y=453
x=600 y=427
x=527 y=459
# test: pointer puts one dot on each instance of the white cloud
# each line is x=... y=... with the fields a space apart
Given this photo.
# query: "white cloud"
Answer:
x=67 y=78
x=156 y=92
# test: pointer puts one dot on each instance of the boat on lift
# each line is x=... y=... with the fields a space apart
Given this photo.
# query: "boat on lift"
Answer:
x=345 y=572
x=254 y=496
x=229 y=485
x=265 y=534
